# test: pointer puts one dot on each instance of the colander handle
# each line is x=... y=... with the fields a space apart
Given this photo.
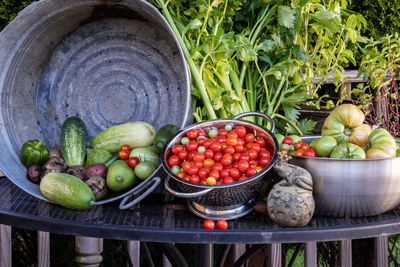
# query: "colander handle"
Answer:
x=181 y=194
x=259 y=114
x=155 y=180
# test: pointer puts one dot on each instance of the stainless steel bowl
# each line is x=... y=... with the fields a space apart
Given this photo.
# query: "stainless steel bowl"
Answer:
x=353 y=187
x=226 y=201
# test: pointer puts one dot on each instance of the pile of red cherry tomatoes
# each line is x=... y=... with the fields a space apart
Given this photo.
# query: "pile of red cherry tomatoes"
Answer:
x=219 y=156
x=299 y=148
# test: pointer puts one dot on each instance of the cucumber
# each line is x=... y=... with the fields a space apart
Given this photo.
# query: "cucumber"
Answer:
x=73 y=141
x=164 y=134
x=134 y=134
x=67 y=191
x=146 y=154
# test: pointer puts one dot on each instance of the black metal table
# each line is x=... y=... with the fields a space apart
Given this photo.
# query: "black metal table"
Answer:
x=162 y=218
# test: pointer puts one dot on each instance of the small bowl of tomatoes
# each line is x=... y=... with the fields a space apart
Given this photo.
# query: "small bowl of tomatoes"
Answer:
x=220 y=166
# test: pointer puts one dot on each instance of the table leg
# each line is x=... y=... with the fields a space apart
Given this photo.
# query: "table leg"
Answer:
x=88 y=250
x=5 y=245
x=345 y=253
x=133 y=248
x=275 y=254
x=310 y=254
x=381 y=251
x=43 y=249
x=205 y=255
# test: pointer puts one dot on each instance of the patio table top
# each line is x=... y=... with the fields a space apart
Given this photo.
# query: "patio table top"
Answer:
x=161 y=217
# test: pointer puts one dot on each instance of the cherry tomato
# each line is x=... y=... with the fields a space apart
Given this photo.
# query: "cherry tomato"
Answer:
x=192 y=145
x=249 y=138
x=207 y=143
x=253 y=154
x=200 y=141
x=194 y=179
x=187 y=177
x=209 y=154
x=264 y=153
x=243 y=165
x=218 y=156
x=253 y=164
x=299 y=152
x=228 y=180
x=236 y=157
x=216 y=147
x=181 y=174
x=199 y=156
x=209 y=224
x=203 y=173
x=251 y=171
x=133 y=161
x=222 y=224
x=235 y=165
x=221 y=139
x=183 y=155
x=234 y=173
x=222 y=132
x=192 y=134
x=224 y=173
x=231 y=141
x=244 y=157
x=241 y=142
x=264 y=162
x=241 y=131
x=201 y=133
x=233 y=134
x=193 y=170
x=242 y=178
x=186 y=166
x=191 y=154
x=217 y=166
x=227 y=160
x=298 y=146
x=239 y=148
x=211 y=181
x=288 y=140
x=124 y=155
x=214 y=173
x=208 y=163
x=177 y=148
x=261 y=142
x=305 y=146
x=198 y=164
x=256 y=147
x=309 y=153
x=126 y=148
x=229 y=150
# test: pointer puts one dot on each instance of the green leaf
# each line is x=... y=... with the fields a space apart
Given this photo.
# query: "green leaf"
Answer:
x=194 y=24
x=290 y=112
x=351 y=22
x=299 y=52
x=353 y=35
x=326 y=18
x=286 y=16
x=307 y=126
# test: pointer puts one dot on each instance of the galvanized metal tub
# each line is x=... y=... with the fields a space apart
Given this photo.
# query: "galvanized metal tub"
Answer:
x=108 y=62
x=352 y=187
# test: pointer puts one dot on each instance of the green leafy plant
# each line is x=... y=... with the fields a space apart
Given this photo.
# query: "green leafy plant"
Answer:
x=379 y=96
x=9 y=10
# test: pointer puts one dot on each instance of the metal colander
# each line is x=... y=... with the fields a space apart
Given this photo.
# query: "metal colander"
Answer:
x=226 y=201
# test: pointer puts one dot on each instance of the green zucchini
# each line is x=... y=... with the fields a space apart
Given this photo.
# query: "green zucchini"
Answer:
x=67 y=191
x=73 y=141
x=164 y=134
x=146 y=154
x=134 y=134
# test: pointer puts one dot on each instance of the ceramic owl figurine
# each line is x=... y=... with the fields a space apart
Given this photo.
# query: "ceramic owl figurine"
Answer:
x=290 y=202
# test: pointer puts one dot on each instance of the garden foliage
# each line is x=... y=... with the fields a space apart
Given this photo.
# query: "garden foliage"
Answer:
x=9 y=10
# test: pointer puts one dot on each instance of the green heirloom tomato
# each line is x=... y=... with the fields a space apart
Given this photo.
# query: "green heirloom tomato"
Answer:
x=325 y=146
x=314 y=142
x=341 y=122
x=279 y=137
x=382 y=144
x=295 y=138
x=348 y=151
x=33 y=152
